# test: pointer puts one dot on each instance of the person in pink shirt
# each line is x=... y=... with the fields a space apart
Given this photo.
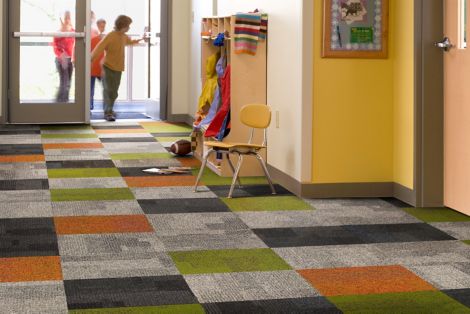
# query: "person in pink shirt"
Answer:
x=64 y=53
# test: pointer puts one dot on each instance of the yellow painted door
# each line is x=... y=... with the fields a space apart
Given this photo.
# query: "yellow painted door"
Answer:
x=456 y=107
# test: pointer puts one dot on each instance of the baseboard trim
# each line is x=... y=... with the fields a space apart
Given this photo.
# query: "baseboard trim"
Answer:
x=342 y=190
x=404 y=194
x=181 y=118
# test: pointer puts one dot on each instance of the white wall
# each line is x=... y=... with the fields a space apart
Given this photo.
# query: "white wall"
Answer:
x=180 y=56
x=290 y=71
x=199 y=9
x=1 y=56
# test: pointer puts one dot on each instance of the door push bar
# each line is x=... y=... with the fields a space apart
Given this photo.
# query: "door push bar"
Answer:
x=48 y=34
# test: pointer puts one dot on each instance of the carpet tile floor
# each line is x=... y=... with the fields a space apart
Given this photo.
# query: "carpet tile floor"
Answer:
x=84 y=230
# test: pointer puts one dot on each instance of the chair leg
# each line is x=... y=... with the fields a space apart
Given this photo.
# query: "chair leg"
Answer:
x=233 y=170
x=265 y=169
x=235 y=175
x=203 y=165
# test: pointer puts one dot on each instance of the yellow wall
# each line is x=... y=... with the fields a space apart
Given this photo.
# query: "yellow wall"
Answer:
x=352 y=116
x=403 y=92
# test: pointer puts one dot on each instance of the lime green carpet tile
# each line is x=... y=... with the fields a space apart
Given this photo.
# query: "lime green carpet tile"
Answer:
x=63 y=195
x=269 y=203
x=83 y=173
x=437 y=214
x=466 y=242
x=227 y=261
x=403 y=303
x=165 y=309
x=162 y=127
x=209 y=178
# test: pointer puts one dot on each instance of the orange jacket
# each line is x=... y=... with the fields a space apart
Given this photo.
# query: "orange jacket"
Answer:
x=96 y=67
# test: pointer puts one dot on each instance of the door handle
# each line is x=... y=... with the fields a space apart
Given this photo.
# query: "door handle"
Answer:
x=445 y=44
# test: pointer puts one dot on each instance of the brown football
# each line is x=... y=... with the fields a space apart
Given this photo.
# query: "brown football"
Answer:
x=181 y=147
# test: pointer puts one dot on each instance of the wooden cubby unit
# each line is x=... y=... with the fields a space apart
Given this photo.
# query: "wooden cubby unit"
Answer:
x=248 y=85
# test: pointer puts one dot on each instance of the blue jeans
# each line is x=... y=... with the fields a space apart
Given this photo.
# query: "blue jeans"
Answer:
x=65 y=69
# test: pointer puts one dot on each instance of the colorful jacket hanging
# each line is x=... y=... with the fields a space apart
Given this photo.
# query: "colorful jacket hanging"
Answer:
x=249 y=29
x=217 y=125
x=220 y=68
x=208 y=91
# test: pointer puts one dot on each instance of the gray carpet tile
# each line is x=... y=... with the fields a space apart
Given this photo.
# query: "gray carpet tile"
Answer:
x=33 y=297
x=334 y=256
x=211 y=240
x=96 y=208
x=298 y=306
x=19 y=127
x=73 y=164
x=28 y=237
x=25 y=196
x=249 y=190
x=350 y=234
x=118 y=266
x=129 y=140
x=172 y=193
x=147 y=163
x=249 y=286
x=20 y=185
x=280 y=219
x=69 y=140
x=23 y=174
x=188 y=205
x=458 y=230
x=325 y=217
x=344 y=203
x=84 y=183
x=114 y=127
x=21 y=139
x=25 y=209
x=126 y=292
x=425 y=253
x=172 y=134
x=117 y=148
x=174 y=224
x=91 y=245
x=23 y=166
x=21 y=149
x=461 y=295
x=55 y=155
x=116 y=124
x=447 y=276
x=69 y=131
x=124 y=135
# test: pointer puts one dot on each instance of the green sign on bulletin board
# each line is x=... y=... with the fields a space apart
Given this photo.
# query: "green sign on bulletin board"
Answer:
x=362 y=35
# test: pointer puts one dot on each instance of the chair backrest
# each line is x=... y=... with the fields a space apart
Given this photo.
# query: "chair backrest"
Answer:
x=256 y=115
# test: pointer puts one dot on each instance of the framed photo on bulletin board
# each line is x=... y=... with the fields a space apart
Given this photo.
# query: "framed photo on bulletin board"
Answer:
x=355 y=29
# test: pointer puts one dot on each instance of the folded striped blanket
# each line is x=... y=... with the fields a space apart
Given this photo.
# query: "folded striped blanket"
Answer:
x=249 y=29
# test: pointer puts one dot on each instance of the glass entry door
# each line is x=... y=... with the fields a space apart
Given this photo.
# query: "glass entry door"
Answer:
x=139 y=91
x=47 y=61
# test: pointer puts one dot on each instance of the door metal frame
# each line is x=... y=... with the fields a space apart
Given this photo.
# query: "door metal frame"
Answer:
x=75 y=114
x=4 y=61
x=429 y=104
x=165 y=57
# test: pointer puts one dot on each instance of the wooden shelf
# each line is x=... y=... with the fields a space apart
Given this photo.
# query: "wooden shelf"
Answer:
x=248 y=85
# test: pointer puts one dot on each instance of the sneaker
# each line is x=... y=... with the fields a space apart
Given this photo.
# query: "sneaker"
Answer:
x=109 y=118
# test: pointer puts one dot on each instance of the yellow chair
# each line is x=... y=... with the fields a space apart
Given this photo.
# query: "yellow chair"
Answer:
x=256 y=116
